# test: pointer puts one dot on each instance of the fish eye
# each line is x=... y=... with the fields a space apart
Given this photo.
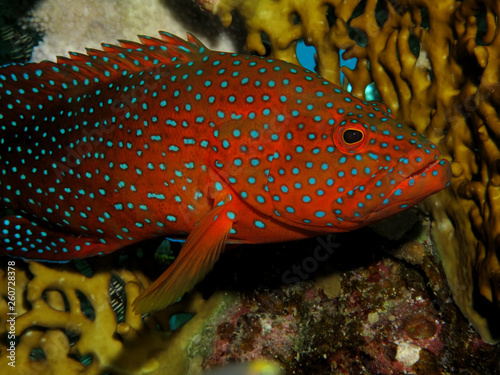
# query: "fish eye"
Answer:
x=352 y=136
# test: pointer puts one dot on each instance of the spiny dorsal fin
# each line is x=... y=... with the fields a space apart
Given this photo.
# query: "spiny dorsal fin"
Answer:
x=34 y=84
x=191 y=45
x=104 y=64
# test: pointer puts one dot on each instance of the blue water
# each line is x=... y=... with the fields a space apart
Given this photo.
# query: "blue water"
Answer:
x=307 y=58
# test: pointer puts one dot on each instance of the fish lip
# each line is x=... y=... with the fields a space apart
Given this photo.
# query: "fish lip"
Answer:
x=415 y=174
x=424 y=169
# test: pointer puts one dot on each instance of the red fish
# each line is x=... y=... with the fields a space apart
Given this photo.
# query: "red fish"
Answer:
x=167 y=138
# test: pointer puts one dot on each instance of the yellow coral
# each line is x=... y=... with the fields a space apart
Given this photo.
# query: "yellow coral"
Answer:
x=50 y=313
x=438 y=70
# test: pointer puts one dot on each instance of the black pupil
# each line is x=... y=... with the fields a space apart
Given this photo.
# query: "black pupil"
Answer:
x=352 y=136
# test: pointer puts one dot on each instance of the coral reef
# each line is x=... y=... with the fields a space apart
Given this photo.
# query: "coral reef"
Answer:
x=16 y=42
x=74 y=25
x=363 y=310
x=380 y=308
x=435 y=64
x=68 y=323
x=390 y=313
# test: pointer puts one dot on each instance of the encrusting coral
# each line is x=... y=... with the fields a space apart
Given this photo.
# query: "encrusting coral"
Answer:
x=96 y=21
x=435 y=64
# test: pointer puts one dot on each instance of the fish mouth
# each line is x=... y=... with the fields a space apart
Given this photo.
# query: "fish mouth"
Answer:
x=422 y=170
x=428 y=180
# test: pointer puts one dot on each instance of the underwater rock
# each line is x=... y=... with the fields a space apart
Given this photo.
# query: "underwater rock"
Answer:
x=389 y=317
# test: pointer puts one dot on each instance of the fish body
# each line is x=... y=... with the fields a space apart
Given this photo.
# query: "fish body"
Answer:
x=167 y=138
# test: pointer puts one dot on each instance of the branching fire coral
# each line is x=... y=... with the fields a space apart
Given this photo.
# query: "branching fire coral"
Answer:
x=435 y=63
x=66 y=324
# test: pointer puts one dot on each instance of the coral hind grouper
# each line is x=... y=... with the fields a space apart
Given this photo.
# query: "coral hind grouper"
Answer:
x=167 y=138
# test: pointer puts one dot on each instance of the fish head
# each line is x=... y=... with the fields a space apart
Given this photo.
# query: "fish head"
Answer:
x=353 y=169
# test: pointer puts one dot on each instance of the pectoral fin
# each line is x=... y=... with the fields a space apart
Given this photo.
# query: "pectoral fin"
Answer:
x=197 y=257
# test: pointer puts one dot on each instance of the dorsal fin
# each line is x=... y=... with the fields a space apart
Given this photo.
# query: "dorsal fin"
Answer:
x=167 y=50
x=191 y=45
x=29 y=87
